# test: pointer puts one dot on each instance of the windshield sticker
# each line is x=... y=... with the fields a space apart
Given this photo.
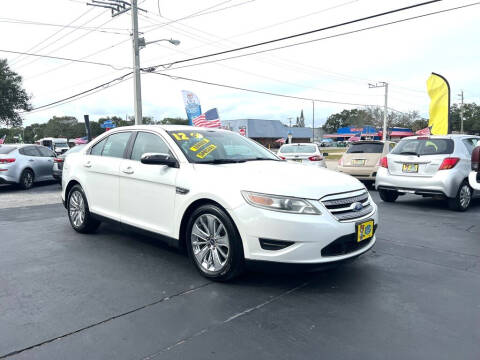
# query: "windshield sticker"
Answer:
x=200 y=144
x=206 y=151
x=180 y=136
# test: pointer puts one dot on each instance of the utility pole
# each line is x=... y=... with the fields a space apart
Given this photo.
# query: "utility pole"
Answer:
x=313 y=121
x=461 y=111
x=385 y=109
x=137 y=87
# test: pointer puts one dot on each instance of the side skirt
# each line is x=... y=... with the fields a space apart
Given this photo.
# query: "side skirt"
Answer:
x=166 y=239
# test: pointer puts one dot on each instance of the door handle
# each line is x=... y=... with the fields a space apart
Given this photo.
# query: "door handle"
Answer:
x=88 y=164
x=31 y=160
x=128 y=170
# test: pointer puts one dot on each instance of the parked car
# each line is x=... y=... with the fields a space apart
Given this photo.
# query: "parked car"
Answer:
x=362 y=158
x=58 y=145
x=305 y=153
x=474 y=177
x=436 y=166
x=25 y=164
x=225 y=198
x=58 y=161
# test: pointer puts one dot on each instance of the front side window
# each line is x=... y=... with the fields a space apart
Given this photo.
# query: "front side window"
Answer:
x=213 y=146
x=116 y=144
x=45 y=152
x=425 y=146
x=148 y=143
x=98 y=148
x=298 y=149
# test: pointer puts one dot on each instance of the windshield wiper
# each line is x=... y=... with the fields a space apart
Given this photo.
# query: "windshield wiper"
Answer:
x=222 y=161
x=409 y=153
x=259 y=159
x=356 y=152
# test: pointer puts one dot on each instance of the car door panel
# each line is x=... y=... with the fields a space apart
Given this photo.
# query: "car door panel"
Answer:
x=147 y=192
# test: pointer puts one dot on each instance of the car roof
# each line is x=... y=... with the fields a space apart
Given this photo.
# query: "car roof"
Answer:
x=166 y=128
x=300 y=144
x=370 y=142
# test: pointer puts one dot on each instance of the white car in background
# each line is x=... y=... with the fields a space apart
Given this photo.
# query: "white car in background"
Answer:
x=304 y=153
x=223 y=197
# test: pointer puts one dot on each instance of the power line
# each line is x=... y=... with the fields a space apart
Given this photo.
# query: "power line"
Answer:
x=303 y=33
x=175 y=77
x=167 y=66
x=77 y=95
x=65 y=59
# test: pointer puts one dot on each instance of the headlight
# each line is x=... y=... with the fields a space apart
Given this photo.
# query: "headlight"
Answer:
x=280 y=203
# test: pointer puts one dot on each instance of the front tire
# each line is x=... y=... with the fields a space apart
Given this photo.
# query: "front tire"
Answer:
x=26 y=179
x=462 y=200
x=78 y=212
x=214 y=244
x=388 y=195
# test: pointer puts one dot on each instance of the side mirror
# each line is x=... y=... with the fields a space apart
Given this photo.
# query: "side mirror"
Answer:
x=476 y=159
x=159 y=159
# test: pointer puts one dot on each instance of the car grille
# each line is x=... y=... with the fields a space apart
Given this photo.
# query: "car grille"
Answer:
x=342 y=207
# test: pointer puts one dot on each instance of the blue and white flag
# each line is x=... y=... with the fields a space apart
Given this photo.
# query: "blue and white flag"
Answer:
x=192 y=105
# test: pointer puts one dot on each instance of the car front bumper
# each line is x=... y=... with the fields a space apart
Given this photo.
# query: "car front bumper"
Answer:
x=443 y=183
x=309 y=234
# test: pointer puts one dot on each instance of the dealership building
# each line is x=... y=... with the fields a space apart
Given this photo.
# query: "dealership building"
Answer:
x=267 y=132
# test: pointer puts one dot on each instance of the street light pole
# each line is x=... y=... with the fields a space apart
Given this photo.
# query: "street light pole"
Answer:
x=137 y=87
x=385 y=109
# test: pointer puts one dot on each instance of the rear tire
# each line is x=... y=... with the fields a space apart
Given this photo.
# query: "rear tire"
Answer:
x=388 y=195
x=26 y=179
x=214 y=244
x=79 y=213
x=462 y=200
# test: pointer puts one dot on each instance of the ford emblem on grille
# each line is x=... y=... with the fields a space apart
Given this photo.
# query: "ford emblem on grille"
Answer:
x=357 y=206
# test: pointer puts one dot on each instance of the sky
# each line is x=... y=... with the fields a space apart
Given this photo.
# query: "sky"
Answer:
x=337 y=68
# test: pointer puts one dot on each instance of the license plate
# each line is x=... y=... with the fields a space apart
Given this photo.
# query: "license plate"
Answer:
x=298 y=160
x=358 y=162
x=365 y=230
x=410 y=168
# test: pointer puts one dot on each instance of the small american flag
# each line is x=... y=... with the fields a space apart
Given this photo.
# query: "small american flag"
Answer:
x=2 y=139
x=209 y=119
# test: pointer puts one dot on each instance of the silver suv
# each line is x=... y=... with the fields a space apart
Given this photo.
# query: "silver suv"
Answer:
x=435 y=166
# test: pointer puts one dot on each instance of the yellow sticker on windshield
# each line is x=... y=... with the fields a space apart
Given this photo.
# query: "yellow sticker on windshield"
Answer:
x=206 y=151
x=200 y=144
x=180 y=136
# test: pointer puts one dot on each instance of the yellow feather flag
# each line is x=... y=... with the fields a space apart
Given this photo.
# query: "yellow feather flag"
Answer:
x=439 y=92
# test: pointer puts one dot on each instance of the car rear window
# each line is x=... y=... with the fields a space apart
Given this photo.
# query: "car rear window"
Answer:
x=6 y=149
x=296 y=149
x=424 y=147
x=366 y=148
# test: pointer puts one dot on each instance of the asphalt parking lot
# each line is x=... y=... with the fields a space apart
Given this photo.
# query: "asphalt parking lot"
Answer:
x=117 y=295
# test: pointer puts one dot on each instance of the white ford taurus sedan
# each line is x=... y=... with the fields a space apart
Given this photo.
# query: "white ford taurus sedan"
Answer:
x=223 y=197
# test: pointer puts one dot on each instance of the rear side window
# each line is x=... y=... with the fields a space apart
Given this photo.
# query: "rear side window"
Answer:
x=148 y=143
x=6 y=149
x=297 y=149
x=366 y=148
x=471 y=144
x=116 y=144
x=424 y=147
x=29 y=151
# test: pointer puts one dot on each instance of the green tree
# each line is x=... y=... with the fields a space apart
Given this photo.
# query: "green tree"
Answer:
x=61 y=127
x=173 y=121
x=12 y=96
x=471 y=118
x=354 y=117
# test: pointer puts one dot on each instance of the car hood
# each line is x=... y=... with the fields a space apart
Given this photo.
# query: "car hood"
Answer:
x=279 y=178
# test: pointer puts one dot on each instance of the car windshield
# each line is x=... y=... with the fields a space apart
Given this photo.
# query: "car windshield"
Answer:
x=298 y=148
x=218 y=147
x=5 y=149
x=74 y=149
x=366 y=148
x=425 y=146
x=61 y=144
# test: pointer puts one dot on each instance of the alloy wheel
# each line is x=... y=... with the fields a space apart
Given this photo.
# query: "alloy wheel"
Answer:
x=76 y=208
x=27 y=179
x=210 y=243
x=465 y=196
